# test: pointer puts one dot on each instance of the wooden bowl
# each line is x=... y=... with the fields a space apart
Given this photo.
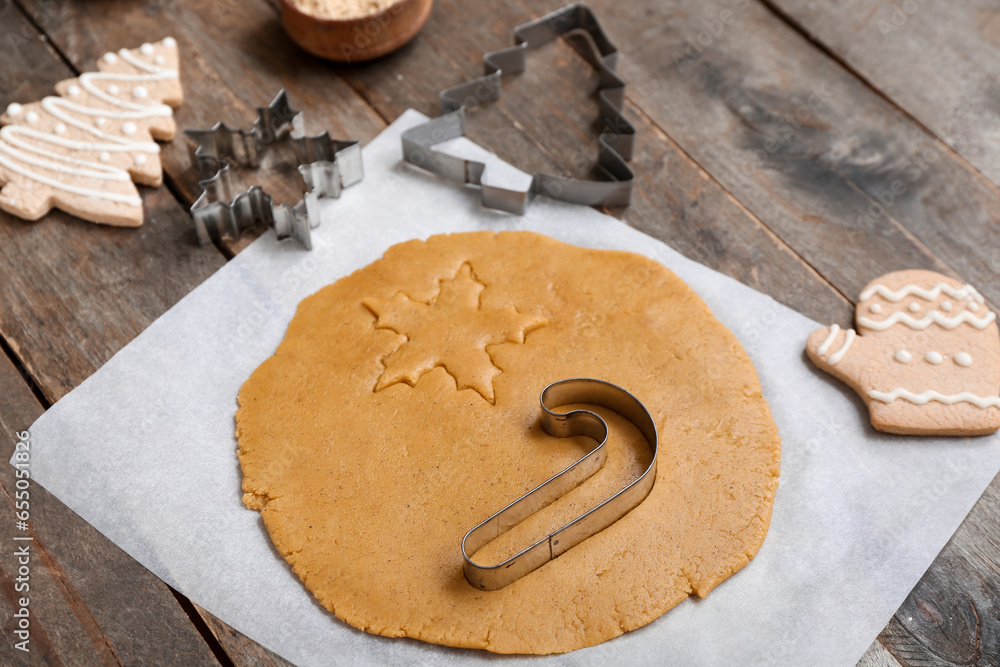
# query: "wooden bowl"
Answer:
x=357 y=39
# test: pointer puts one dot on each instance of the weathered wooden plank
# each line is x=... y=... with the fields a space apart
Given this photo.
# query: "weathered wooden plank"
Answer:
x=838 y=173
x=877 y=656
x=235 y=56
x=74 y=292
x=241 y=650
x=386 y=84
x=18 y=406
x=546 y=120
x=953 y=614
x=55 y=631
x=90 y=603
x=936 y=59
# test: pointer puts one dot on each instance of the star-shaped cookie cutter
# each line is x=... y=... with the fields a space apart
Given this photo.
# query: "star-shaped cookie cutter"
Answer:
x=615 y=142
x=327 y=165
x=561 y=425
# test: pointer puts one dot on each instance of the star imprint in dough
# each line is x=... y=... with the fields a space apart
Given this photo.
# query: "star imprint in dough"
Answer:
x=452 y=330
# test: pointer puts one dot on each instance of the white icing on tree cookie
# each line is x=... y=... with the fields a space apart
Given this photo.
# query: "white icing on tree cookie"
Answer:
x=81 y=151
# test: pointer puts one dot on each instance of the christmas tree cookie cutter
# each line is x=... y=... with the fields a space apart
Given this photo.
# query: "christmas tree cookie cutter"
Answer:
x=326 y=165
x=561 y=425
x=615 y=143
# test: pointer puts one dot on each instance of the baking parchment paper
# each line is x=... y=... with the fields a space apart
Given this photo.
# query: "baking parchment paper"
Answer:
x=144 y=450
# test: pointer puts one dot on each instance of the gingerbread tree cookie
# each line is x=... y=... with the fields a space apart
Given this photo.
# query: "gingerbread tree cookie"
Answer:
x=925 y=359
x=81 y=151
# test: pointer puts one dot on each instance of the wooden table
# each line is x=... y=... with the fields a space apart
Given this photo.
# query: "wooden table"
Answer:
x=771 y=135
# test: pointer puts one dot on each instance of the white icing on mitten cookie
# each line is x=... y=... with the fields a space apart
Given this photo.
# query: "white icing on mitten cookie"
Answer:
x=925 y=359
x=81 y=151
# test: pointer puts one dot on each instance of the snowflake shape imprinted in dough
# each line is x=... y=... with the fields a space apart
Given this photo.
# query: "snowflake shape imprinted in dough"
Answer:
x=452 y=330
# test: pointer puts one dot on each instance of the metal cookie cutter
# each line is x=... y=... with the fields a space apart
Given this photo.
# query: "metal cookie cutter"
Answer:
x=326 y=166
x=615 y=142
x=561 y=425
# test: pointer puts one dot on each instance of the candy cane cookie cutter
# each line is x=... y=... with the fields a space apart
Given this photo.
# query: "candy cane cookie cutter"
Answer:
x=615 y=142
x=561 y=425
x=326 y=165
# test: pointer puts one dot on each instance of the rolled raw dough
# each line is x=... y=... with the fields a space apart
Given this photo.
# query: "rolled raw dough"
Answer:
x=401 y=409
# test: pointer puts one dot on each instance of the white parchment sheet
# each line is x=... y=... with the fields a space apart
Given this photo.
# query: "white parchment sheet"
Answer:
x=144 y=450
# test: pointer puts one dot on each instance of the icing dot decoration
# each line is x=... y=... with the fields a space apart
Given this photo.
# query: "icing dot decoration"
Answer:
x=169 y=41
x=875 y=308
x=927 y=352
x=159 y=60
x=79 y=137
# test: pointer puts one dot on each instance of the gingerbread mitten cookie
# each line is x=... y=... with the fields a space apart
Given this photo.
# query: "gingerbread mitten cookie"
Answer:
x=925 y=358
x=81 y=151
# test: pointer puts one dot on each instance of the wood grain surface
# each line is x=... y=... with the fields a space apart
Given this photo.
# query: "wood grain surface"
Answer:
x=781 y=143
x=674 y=198
x=939 y=61
x=91 y=603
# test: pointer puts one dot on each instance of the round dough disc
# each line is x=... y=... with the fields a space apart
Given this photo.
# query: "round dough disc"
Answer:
x=401 y=409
